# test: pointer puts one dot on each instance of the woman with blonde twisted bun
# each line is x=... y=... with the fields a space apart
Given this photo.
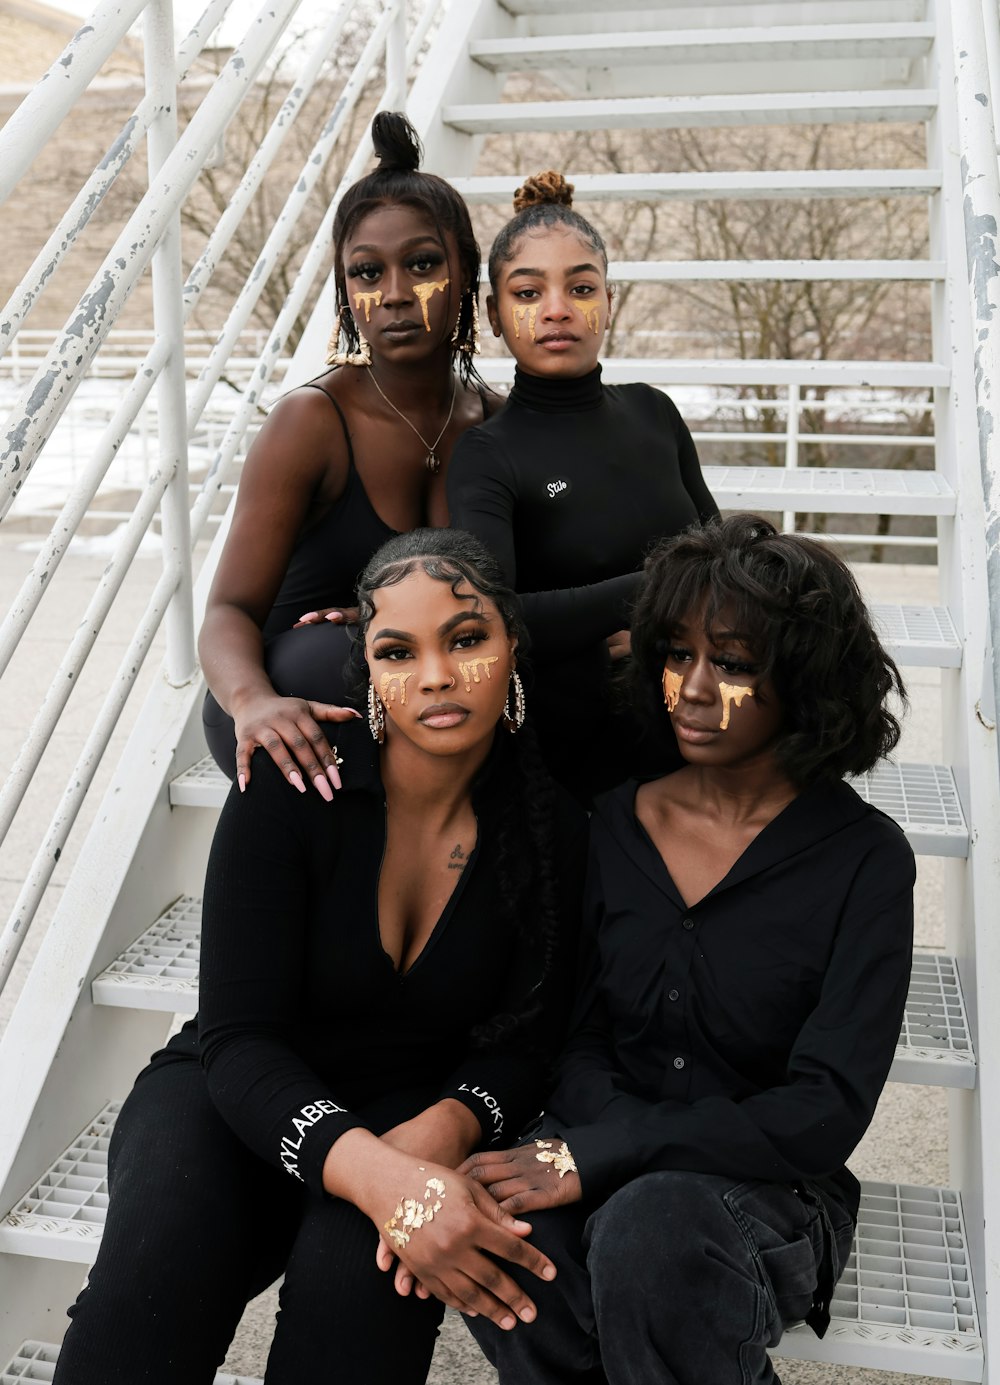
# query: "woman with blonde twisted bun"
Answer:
x=573 y=482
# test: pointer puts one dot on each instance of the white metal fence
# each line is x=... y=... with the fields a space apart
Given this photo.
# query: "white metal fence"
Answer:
x=149 y=242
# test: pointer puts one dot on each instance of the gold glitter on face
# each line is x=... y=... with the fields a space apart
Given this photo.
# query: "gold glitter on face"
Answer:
x=472 y=670
x=518 y=313
x=671 y=689
x=365 y=300
x=424 y=292
x=592 y=312
x=731 y=692
x=392 y=685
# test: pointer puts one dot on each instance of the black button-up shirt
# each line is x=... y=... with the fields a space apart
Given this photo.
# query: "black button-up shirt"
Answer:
x=751 y=1033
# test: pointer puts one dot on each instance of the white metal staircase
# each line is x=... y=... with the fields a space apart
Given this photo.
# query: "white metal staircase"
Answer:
x=922 y=1292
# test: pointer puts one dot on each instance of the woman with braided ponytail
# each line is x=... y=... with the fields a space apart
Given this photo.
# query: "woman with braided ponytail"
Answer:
x=572 y=482
x=343 y=463
x=384 y=982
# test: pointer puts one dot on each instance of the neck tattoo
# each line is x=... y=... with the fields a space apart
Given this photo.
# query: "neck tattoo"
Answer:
x=731 y=692
x=472 y=670
x=365 y=300
x=458 y=859
x=423 y=292
x=671 y=689
x=393 y=684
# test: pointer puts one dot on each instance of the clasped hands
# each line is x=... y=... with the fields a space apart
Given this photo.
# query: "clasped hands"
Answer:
x=529 y=1177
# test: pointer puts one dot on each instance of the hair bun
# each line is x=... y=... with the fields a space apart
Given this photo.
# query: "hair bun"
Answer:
x=544 y=187
x=397 y=144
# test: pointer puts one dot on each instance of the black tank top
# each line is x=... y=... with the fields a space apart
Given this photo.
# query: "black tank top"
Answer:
x=330 y=555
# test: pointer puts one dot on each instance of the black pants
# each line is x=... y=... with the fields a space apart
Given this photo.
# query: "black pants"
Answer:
x=678 y=1279
x=308 y=662
x=197 y=1225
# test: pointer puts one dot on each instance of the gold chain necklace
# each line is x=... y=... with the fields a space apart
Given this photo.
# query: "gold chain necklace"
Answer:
x=432 y=461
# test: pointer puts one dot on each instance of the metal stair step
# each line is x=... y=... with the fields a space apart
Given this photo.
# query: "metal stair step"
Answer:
x=37 y=1360
x=923 y=799
x=830 y=490
x=689 y=112
x=919 y=636
x=160 y=972
x=779 y=43
x=699 y=187
x=905 y=1300
x=894 y=9
x=732 y=371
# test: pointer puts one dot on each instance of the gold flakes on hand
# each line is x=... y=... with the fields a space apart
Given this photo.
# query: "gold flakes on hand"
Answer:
x=411 y=1213
x=561 y=1160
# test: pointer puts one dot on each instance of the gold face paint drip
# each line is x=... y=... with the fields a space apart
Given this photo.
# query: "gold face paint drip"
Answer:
x=393 y=684
x=592 y=312
x=424 y=292
x=472 y=670
x=518 y=313
x=365 y=300
x=731 y=692
x=671 y=689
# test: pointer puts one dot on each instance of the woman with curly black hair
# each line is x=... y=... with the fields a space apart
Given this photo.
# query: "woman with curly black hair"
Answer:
x=384 y=982
x=748 y=933
x=343 y=463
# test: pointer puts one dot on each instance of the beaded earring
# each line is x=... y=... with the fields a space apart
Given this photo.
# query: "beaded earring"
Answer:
x=514 y=719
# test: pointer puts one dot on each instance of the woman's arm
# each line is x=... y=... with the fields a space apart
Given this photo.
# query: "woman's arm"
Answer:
x=282 y=475
x=692 y=477
x=482 y=498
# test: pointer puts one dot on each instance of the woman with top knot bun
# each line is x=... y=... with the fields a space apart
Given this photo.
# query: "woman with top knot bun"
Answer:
x=344 y=463
x=572 y=483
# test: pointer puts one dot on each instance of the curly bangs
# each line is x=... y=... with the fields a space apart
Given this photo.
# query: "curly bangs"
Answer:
x=799 y=609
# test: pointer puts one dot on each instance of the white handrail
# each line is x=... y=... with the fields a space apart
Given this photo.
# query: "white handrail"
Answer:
x=94 y=190
x=48 y=103
x=55 y=382
x=977 y=132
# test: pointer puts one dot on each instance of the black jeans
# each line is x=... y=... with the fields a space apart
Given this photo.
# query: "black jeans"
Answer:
x=678 y=1279
x=197 y=1225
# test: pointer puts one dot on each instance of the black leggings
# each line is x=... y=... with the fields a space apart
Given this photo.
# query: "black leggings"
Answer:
x=308 y=662
x=197 y=1226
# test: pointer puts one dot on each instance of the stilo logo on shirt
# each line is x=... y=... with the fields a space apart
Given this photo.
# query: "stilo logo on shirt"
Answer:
x=557 y=486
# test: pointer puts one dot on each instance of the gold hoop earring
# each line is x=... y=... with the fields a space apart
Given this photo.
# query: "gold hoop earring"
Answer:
x=514 y=719
x=334 y=354
x=376 y=715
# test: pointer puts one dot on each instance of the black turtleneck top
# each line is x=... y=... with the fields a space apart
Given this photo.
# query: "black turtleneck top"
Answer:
x=570 y=486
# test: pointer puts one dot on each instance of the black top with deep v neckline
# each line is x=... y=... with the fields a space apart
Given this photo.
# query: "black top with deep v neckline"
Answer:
x=306 y=1025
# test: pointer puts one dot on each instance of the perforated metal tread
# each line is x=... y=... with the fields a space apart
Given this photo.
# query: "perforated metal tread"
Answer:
x=905 y=1301
x=922 y=636
x=830 y=490
x=37 y=1361
x=687 y=112
x=160 y=972
x=743 y=186
x=924 y=800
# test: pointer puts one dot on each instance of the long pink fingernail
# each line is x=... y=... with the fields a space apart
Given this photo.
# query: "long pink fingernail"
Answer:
x=296 y=778
x=323 y=788
x=241 y=779
x=357 y=714
x=310 y=615
x=334 y=615
x=334 y=774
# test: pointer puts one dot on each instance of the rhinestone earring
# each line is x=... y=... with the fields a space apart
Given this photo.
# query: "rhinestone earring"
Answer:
x=472 y=347
x=514 y=720
x=376 y=715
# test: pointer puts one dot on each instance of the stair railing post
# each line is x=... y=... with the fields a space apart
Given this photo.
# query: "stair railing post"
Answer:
x=977 y=131
x=168 y=319
x=791 y=447
x=395 y=58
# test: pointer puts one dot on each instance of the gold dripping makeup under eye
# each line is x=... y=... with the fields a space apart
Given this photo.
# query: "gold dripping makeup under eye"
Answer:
x=732 y=692
x=392 y=684
x=671 y=688
x=592 y=314
x=424 y=292
x=365 y=300
x=518 y=313
x=473 y=669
